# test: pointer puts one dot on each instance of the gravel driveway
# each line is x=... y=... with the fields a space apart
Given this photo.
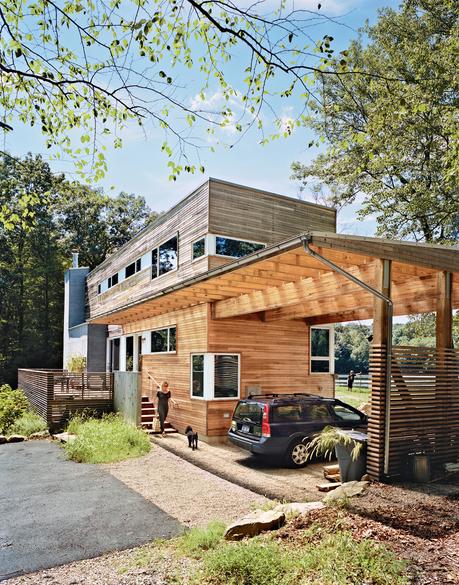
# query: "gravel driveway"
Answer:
x=252 y=472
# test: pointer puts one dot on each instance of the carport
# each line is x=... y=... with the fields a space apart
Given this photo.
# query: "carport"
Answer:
x=324 y=278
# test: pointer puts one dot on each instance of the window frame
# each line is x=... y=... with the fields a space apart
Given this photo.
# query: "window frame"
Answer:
x=331 y=351
x=137 y=268
x=158 y=275
x=168 y=352
x=209 y=376
x=206 y=246
x=245 y=241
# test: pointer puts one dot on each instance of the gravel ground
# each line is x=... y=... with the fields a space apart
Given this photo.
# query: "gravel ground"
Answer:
x=182 y=490
x=252 y=472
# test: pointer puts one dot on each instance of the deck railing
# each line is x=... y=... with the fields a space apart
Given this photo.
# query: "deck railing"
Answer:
x=58 y=394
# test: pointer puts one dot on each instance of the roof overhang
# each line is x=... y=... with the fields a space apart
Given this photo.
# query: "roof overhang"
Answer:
x=283 y=282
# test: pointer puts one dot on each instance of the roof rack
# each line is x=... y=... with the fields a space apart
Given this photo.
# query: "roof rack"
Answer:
x=277 y=395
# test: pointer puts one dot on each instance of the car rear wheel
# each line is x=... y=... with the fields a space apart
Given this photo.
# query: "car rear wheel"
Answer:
x=297 y=455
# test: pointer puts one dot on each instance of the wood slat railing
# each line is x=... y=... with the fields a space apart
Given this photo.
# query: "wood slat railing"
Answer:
x=58 y=394
x=424 y=408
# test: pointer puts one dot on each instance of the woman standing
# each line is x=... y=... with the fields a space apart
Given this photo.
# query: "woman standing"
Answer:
x=163 y=395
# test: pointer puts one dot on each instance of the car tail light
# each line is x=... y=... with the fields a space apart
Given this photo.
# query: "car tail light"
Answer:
x=265 y=427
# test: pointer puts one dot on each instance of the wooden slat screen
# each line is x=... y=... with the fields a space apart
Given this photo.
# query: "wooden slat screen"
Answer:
x=57 y=394
x=424 y=408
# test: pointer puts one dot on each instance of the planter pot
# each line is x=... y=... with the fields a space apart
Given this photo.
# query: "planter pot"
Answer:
x=352 y=470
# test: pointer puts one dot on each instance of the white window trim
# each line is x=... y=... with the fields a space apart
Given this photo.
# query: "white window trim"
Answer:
x=157 y=259
x=109 y=356
x=147 y=336
x=209 y=375
x=206 y=247
x=214 y=245
x=331 y=351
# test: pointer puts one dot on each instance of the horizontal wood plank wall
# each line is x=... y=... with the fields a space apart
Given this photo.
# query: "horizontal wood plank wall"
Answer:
x=424 y=408
x=190 y=219
x=274 y=358
x=175 y=368
x=257 y=215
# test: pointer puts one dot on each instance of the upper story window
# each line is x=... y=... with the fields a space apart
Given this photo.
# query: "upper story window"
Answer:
x=113 y=280
x=322 y=350
x=164 y=258
x=199 y=248
x=235 y=248
x=133 y=268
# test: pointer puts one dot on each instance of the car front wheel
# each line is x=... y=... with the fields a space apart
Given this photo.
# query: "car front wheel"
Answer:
x=297 y=455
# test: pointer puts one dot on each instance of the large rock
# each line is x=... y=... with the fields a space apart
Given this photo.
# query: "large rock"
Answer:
x=3 y=439
x=347 y=490
x=254 y=523
x=298 y=508
x=64 y=437
x=39 y=435
x=16 y=438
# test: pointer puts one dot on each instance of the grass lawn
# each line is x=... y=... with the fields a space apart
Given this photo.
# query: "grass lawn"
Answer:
x=105 y=440
x=353 y=397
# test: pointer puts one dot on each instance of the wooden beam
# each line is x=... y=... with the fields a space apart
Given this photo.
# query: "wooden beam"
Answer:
x=377 y=428
x=324 y=288
x=444 y=321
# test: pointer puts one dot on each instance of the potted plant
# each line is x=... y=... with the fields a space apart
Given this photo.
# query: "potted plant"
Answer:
x=349 y=448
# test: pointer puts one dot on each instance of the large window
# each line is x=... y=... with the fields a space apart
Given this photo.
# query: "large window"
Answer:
x=164 y=258
x=164 y=340
x=215 y=376
x=235 y=248
x=322 y=350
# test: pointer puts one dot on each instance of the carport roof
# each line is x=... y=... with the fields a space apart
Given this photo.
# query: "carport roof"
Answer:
x=283 y=282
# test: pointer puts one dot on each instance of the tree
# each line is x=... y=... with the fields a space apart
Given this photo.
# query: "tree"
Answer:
x=33 y=257
x=394 y=146
x=352 y=348
x=89 y=67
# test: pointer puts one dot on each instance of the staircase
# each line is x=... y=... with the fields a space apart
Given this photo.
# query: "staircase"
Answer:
x=147 y=412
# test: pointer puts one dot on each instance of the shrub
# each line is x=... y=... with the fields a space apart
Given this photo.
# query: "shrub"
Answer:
x=197 y=540
x=105 y=440
x=251 y=562
x=76 y=364
x=339 y=559
x=13 y=404
x=27 y=424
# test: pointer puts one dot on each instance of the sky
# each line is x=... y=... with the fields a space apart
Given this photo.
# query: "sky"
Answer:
x=140 y=167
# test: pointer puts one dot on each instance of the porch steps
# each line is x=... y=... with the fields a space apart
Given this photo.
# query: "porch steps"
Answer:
x=147 y=413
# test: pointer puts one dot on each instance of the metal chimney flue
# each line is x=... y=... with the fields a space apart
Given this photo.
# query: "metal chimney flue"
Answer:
x=74 y=259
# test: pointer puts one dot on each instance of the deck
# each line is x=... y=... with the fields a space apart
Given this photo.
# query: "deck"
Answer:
x=58 y=394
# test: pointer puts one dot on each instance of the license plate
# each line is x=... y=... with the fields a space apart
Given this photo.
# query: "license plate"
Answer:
x=245 y=428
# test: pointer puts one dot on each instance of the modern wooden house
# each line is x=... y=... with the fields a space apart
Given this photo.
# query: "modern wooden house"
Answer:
x=236 y=290
x=209 y=364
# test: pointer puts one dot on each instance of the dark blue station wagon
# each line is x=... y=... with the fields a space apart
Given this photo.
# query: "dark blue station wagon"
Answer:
x=280 y=425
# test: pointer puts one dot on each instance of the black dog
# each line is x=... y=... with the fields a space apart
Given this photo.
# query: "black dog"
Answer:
x=192 y=438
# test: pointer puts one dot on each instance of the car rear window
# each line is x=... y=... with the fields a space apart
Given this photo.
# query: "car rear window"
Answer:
x=250 y=411
x=287 y=413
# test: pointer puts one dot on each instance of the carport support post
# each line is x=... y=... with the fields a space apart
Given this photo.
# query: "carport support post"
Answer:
x=444 y=321
x=380 y=368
